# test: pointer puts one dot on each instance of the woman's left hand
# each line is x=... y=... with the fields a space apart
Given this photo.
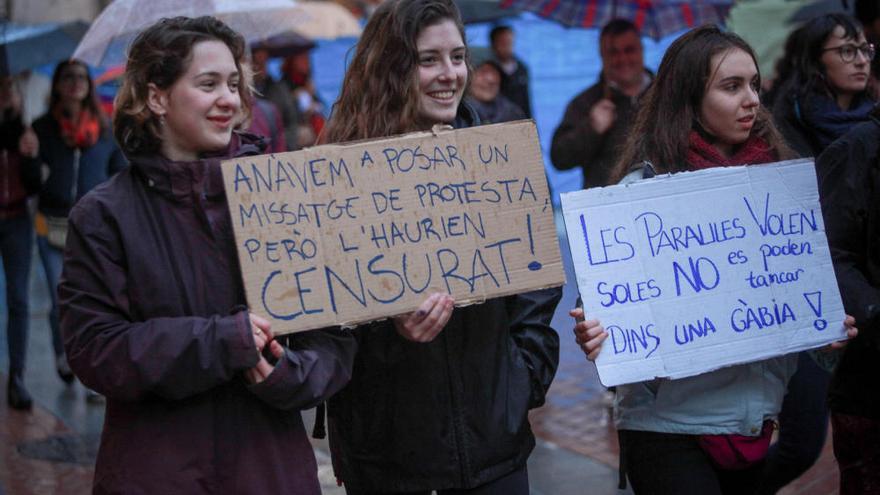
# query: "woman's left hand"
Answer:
x=424 y=324
x=851 y=332
x=263 y=369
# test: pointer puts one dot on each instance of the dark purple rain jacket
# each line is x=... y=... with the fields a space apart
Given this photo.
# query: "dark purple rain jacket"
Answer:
x=153 y=318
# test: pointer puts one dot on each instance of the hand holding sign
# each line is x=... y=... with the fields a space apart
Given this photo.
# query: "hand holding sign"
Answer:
x=424 y=324
x=589 y=334
x=349 y=233
x=699 y=270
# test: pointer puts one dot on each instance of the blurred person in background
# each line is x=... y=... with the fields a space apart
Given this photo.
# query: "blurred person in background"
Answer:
x=515 y=72
x=597 y=121
x=16 y=233
x=77 y=152
x=484 y=92
x=823 y=97
x=297 y=70
x=849 y=188
x=277 y=93
x=825 y=93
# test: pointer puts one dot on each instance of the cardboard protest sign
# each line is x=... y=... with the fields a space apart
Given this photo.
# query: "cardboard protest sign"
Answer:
x=699 y=270
x=349 y=233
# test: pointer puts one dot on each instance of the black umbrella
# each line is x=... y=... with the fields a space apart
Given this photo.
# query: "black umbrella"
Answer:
x=284 y=44
x=26 y=46
x=816 y=8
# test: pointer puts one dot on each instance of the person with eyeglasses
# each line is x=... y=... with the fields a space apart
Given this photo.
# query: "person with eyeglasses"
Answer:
x=77 y=152
x=826 y=92
x=823 y=97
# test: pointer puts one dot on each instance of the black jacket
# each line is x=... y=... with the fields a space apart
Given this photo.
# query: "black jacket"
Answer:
x=17 y=182
x=70 y=175
x=792 y=110
x=515 y=87
x=576 y=144
x=849 y=175
x=452 y=413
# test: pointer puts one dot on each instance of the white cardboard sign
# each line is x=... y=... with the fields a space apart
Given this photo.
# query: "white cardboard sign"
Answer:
x=699 y=270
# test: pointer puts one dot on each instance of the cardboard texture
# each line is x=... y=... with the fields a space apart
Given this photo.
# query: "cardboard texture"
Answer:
x=349 y=233
x=699 y=270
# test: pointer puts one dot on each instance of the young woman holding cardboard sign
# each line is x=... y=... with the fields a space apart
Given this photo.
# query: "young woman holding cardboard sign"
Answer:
x=705 y=434
x=152 y=301
x=439 y=398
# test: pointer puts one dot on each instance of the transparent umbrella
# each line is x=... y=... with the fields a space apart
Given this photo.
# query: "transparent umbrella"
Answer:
x=110 y=34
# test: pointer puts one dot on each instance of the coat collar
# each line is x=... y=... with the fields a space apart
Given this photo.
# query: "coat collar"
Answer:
x=181 y=179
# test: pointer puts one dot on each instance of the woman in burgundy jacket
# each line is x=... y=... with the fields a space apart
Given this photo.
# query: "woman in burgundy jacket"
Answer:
x=152 y=301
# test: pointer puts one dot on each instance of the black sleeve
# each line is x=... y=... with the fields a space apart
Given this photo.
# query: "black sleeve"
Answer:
x=538 y=343
x=847 y=189
x=575 y=143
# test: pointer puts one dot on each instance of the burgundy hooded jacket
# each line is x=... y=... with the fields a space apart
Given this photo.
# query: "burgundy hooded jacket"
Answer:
x=153 y=315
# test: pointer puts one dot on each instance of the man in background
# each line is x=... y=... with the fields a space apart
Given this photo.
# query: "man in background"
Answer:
x=515 y=82
x=597 y=121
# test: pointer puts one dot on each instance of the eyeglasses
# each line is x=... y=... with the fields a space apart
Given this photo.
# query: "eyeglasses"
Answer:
x=848 y=51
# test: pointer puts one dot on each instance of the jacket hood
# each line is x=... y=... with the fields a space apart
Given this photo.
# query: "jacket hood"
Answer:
x=180 y=179
x=467 y=116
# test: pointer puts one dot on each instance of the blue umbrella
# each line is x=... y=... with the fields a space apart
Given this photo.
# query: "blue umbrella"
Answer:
x=26 y=46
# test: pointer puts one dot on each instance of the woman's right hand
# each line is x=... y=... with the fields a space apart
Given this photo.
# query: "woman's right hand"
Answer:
x=424 y=324
x=589 y=334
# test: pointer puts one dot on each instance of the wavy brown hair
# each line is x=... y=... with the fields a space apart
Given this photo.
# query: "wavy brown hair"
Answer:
x=379 y=95
x=160 y=55
x=671 y=106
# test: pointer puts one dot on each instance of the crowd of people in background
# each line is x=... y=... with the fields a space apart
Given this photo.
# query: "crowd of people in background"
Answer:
x=186 y=369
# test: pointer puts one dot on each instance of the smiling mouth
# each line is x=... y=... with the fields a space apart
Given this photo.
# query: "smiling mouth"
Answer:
x=442 y=95
x=221 y=121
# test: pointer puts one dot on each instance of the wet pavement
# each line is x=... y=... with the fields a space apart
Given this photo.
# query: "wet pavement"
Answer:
x=50 y=450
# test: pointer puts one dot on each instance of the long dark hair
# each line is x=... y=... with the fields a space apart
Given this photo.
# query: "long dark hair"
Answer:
x=160 y=55
x=89 y=102
x=671 y=108
x=379 y=95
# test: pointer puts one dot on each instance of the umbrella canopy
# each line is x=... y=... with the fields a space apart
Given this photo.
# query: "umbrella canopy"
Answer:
x=24 y=47
x=655 y=18
x=284 y=44
x=110 y=34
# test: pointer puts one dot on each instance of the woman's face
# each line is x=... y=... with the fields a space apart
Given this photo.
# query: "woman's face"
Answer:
x=486 y=83
x=203 y=106
x=850 y=77
x=73 y=84
x=730 y=104
x=442 y=72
